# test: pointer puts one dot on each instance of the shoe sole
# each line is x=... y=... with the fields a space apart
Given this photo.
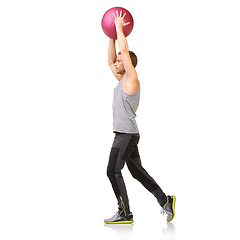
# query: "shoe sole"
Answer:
x=120 y=222
x=173 y=207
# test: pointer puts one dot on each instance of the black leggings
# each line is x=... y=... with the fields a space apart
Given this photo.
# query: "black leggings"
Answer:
x=124 y=149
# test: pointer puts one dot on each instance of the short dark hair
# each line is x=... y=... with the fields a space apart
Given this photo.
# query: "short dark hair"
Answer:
x=133 y=58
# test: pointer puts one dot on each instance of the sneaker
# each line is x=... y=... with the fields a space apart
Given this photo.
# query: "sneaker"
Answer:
x=118 y=219
x=169 y=207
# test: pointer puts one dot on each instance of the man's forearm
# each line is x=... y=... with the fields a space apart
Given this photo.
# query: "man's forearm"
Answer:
x=112 y=55
x=122 y=41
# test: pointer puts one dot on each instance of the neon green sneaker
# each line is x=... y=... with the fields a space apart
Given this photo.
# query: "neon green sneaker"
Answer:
x=117 y=218
x=169 y=208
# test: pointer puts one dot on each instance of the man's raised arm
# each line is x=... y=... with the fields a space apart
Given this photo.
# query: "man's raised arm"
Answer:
x=132 y=82
x=112 y=58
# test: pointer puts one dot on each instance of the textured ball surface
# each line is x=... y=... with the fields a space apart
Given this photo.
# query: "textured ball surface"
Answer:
x=108 y=22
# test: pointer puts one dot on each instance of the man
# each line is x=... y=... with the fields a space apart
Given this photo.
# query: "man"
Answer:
x=124 y=148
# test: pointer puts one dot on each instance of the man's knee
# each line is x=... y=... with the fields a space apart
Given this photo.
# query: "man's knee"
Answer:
x=110 y=173
x=114 y=174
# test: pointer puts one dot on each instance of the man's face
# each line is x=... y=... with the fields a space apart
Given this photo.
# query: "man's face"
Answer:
x=119 y=65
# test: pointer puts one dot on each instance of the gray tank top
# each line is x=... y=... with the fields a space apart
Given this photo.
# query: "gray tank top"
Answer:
x=124 y=110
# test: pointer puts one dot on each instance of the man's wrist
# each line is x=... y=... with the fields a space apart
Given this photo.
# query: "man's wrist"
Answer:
x=119 y=28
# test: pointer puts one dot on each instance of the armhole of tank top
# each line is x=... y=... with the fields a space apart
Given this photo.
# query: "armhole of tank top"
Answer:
x=131 y=95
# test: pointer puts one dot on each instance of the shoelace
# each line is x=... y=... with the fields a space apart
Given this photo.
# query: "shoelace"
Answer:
x=163 y=211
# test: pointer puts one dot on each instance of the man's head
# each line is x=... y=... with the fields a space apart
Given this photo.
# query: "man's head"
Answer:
x=119 y=64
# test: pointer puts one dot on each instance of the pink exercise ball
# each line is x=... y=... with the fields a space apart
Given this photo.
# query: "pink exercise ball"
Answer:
x=108 y=22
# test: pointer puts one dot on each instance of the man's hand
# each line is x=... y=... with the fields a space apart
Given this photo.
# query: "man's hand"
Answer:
x=119 y=20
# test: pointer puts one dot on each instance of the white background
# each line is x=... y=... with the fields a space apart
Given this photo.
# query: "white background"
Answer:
x=56 y=120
